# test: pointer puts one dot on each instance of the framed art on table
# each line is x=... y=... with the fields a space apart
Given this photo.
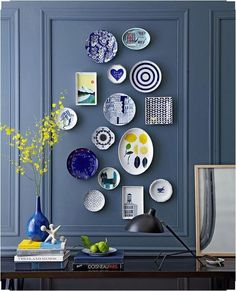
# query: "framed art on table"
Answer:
x=215 y=209
x=86 y=88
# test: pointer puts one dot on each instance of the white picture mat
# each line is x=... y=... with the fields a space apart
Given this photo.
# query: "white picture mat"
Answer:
x=137 y=198
x=223 y=238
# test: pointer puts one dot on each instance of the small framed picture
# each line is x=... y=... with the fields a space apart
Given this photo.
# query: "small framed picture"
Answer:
x=86 y=88
x=132 y=201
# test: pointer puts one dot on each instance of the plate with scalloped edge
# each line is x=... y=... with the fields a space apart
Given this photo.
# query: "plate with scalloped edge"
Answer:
x=110 y=251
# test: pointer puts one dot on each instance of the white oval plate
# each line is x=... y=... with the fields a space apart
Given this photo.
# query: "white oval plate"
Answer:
x=160 y=190
x=103 y=138
x=109 y=178
x=119 y=109
x=116 y=74
x=88 y=252
x=136 y=38
x=67 y=119
x=135 y=151
x=145 y=76
x=94 y=200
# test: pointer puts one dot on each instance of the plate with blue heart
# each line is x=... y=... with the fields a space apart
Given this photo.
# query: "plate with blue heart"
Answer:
x=116 y=74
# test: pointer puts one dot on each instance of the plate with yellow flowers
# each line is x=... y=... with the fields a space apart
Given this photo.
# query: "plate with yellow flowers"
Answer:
x=135 y=151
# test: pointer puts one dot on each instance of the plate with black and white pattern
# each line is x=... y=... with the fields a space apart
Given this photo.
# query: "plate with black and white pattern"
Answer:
x=103 y=138
x=145 y=76
x=94 y=200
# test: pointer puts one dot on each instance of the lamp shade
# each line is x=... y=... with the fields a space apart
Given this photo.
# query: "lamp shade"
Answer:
x=147 y=222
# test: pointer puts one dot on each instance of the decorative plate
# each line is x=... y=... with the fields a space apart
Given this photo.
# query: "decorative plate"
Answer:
x=67 y=119
x=145 y=76
x=103 y=138
x=101 y=46
x=160 y=190
x=158 y=110
x=135 y=151
x=109 y=178
x=110 y=251
x=94 y=200
x=116 y=74
x=82 y=163
x=119 y=109
x=136 y=38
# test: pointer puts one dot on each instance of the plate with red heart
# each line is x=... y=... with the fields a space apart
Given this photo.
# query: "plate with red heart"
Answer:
x=116 y=74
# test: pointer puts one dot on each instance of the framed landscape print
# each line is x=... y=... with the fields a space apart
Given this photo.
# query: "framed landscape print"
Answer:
x=215 y=209
x=86 y=88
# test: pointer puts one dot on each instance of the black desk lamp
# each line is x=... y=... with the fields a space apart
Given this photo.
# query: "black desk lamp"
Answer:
x=148 y=222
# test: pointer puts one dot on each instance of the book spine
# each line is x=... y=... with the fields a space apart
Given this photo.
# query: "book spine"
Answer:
x=98 y=267
x=38 y=258
x=39 y=252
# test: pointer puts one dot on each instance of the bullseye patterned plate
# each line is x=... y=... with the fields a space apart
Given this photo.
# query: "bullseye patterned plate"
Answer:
x=101 y=46
x=94 y=200
x=103 y=138
x=145 y=76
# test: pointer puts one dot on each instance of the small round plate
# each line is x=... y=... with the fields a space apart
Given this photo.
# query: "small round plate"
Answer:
x=145 y=76
x=94 y=200
x=101 y=46
x=67 y=119
x=109 y=178
x=119 y=109
x=136 y=38
x=103 y=138
x=116 y=74
x=160 y=190
x=82 y=163
x=110 y=252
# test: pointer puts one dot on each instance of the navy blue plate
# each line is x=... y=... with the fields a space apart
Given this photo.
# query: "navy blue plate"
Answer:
x=82 y=163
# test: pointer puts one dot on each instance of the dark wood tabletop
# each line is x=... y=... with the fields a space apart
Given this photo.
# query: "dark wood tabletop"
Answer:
x=142 y=267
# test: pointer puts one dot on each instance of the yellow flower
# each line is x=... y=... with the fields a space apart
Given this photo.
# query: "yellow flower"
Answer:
x=9 y=130
x=35 y=145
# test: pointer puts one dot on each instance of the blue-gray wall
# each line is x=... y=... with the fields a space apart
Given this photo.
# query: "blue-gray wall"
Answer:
x=42 y=48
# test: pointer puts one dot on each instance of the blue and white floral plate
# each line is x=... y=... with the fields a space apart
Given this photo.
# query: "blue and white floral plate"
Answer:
x=101 y=46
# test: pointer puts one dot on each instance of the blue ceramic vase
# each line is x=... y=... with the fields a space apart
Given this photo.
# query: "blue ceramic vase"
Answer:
x=35 y=222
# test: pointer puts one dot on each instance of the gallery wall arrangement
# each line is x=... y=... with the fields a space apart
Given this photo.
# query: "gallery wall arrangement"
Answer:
x=147 y=97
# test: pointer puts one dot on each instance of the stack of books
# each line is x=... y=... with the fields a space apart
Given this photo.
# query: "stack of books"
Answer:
x=32 y=255
x=84 y=262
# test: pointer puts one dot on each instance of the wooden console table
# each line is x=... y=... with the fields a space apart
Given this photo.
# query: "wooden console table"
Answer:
x=180 y=268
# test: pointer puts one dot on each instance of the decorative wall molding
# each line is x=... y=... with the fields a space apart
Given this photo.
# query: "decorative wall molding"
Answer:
x=180 y=17
x=216 y=17
x=11 y=17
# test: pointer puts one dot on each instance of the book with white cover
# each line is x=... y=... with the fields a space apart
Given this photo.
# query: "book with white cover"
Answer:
x=46 y=258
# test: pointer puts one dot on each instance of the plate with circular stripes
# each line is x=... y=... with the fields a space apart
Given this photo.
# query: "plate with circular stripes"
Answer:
x=145 y=76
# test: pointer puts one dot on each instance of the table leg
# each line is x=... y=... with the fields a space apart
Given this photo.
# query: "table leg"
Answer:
x=182 y=284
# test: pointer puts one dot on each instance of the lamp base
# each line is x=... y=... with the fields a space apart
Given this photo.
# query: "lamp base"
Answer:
x=162 y=257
